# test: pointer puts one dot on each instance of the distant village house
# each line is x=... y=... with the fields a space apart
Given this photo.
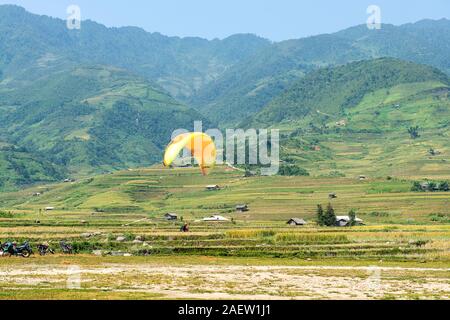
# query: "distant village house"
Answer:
x=242 y=208
x=341 y=123
x=215 y=218
x=171 y=216
x=296 y=222
x=343 y=221
x=212 y=187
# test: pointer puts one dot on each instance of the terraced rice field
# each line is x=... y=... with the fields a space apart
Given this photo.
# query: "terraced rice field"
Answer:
x=125 y=249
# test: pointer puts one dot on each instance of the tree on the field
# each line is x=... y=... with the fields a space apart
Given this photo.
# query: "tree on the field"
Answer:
x=443 y=186
x=414 y=132
x=432 y=186
x=416 y=186
x=330 y=216
x=352 y=216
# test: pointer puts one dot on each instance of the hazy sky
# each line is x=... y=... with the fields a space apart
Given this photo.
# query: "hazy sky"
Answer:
x=273 y=19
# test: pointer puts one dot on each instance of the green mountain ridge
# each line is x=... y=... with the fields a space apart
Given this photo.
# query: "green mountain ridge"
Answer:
x=20 y=168
x=354 y=119
x=32 y=45
x=333 y=90
x=270 y=71
x=240 y=74
x=81 y=102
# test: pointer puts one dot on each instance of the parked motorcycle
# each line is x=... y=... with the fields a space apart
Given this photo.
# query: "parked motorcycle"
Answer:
x=12 y=249
x=44 y=248
x=2 y=249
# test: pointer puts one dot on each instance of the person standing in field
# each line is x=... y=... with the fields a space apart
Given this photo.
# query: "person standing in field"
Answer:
x=184 y=228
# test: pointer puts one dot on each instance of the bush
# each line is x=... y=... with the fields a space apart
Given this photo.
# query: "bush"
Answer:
x=440 y=217
x=336 y=174
x=443 y=186
x=320 y=215
x=217 y=206
x=330 y=216
x=430 y=186
x=419 y=243
x=352 y=215
x=292 y=170
x=4 y=214
x=129 y=236
x=326 y=218
x=416 y=186
x=414 y=132
x=86 y=246
x=245 y=234
x=379 y=214
x=310 y=238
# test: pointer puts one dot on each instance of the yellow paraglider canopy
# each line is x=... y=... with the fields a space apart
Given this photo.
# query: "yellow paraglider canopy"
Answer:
x=200 y=145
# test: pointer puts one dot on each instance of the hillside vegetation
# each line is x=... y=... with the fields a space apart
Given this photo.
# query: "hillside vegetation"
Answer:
x=99 y=99
x=121 y=241
x=152 y=192
x=226 y=79
x=249 y=85
x=92 y=119
x=20 y=168
x=354 y=120
x=335 y=90
x=364 y=119
x=32 y=45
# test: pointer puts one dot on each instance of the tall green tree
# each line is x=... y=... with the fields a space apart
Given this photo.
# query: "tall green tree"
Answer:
x=320 y=215
x=330 y=216
x=352 y=216
x=443 y=186
x=416 y=186
x=432 y=186
x=414 y=132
